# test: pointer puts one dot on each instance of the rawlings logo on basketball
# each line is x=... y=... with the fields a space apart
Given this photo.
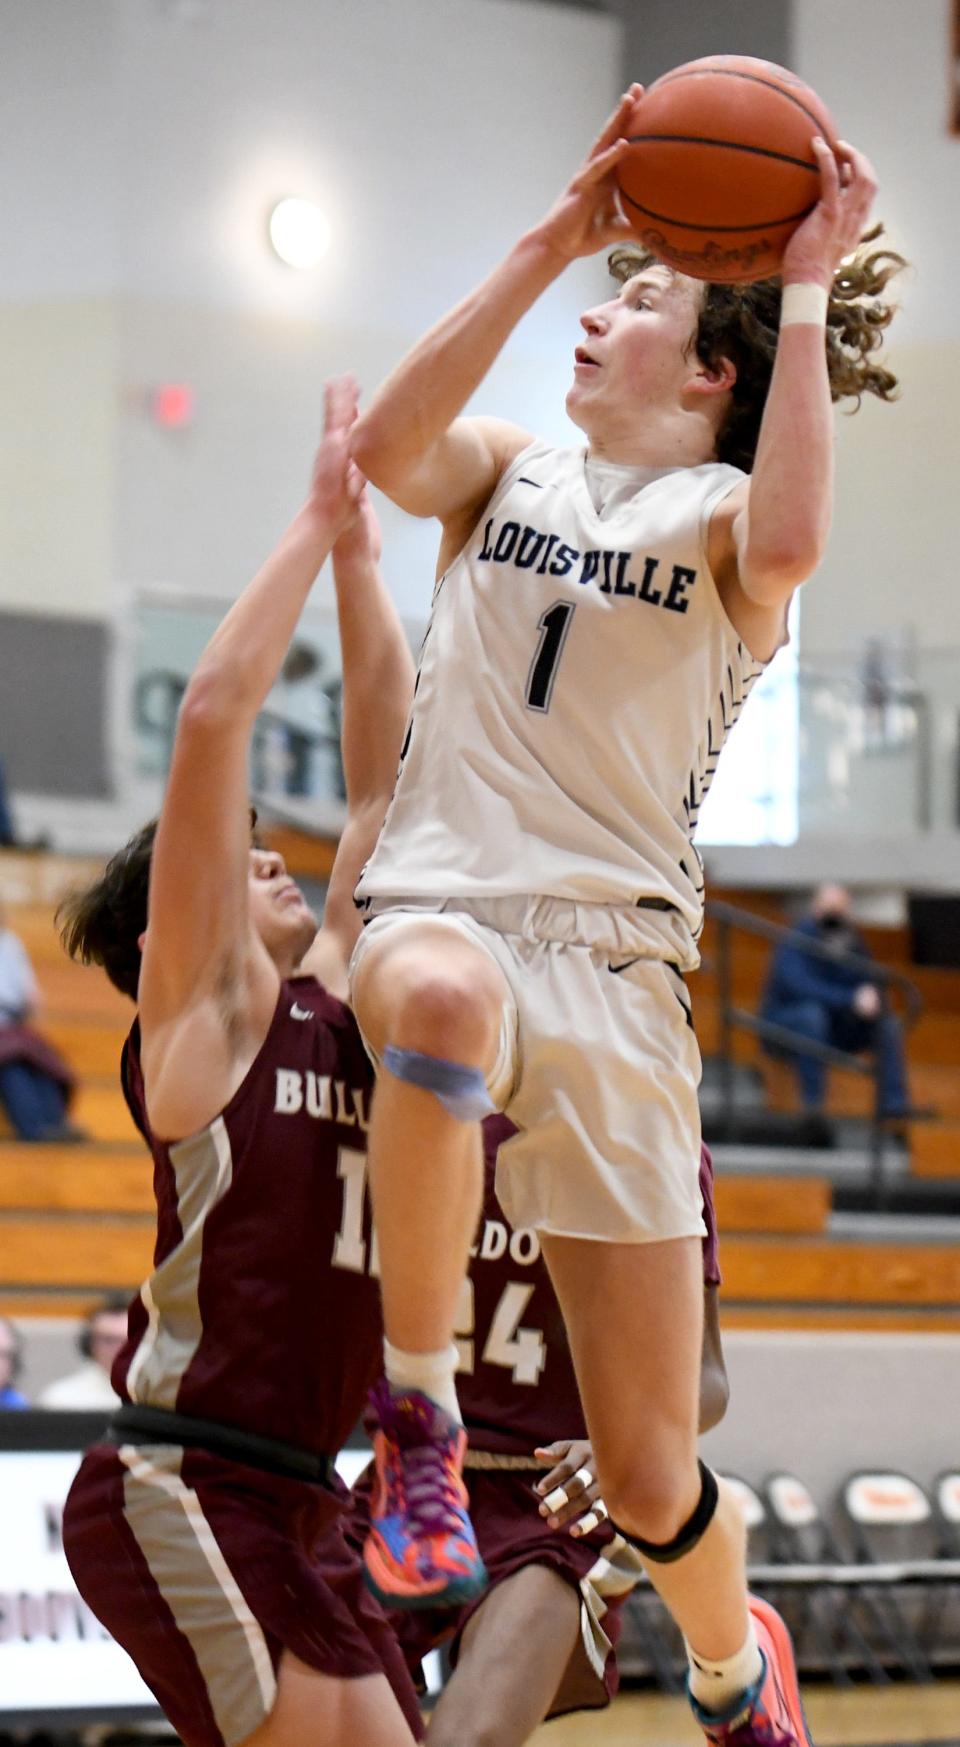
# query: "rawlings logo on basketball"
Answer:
x=712 y=255
x=721 y=158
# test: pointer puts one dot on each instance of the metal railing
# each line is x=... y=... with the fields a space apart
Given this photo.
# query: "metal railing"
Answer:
x=730 y=918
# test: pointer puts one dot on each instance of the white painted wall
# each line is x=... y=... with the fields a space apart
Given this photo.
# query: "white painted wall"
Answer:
x=434 y=133
x=823 y=1403
x=59 y=176
x=882 y=68
x=149 y=140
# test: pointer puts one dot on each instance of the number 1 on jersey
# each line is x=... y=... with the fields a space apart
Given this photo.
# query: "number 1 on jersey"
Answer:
x=553 y=626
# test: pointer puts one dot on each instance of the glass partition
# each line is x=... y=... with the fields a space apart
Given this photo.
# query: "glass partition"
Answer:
x=865 y=744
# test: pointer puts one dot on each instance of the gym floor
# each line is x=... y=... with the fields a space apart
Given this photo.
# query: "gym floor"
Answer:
x=898 y=1716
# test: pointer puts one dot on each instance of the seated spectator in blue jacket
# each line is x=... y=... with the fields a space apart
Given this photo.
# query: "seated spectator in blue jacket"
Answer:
x=829 y=1002
x=11 y=1359
x=35 y=1082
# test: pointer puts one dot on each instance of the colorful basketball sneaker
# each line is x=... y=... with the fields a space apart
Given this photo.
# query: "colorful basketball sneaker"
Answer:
x=421 y=1551
x=770 y=1713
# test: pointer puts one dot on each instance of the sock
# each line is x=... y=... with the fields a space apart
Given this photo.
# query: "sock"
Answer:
x=432 y=1373
x=716 y=1685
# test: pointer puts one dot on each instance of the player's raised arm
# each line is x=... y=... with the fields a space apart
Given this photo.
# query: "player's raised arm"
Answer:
x=200 y=945
x=411 y=441
x=781 y=528
x=377 y=694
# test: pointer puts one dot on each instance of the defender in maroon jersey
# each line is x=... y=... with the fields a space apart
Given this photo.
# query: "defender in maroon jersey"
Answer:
x=558 y=1576
x=206 y=1534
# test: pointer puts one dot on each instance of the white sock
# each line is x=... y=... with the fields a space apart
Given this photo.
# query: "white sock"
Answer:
x=432 y=1373
x=716 y=1685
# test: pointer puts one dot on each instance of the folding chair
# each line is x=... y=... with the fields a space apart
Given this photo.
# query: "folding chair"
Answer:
x=649 y=1639
x=946 y=1499
x=824 y=1624
x=892 y=1527
x=762 y=1553
x=946 y=1504
x=754 y=1513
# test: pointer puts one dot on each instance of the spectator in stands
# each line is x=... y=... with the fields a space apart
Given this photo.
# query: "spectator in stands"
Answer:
x=98 y=1342
x=11 y=1362
x=35 y=1082
x=830 y=1002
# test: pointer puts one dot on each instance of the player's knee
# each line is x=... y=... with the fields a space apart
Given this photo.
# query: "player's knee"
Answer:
x=453 y=1013
x=652 y=1498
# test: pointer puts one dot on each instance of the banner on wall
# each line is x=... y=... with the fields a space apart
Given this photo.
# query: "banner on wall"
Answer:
x=55 y=1657
x=57 y=1661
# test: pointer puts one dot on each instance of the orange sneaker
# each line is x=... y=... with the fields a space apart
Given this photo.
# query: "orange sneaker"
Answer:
x=770 y=1713
x=421 y=1551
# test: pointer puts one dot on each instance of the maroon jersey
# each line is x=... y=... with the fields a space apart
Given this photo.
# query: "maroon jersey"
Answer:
x=261 y=1311
x=515 y=1382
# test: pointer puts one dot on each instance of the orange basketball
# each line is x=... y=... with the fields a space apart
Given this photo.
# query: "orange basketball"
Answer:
x=721 y=168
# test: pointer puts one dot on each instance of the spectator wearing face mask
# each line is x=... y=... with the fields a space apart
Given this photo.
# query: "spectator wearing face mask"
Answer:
x=828 y=1001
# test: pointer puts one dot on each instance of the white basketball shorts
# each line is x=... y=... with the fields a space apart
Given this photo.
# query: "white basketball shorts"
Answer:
x=598 y=1064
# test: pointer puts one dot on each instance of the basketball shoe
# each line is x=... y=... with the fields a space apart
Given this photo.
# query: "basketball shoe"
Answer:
x=421 y=1550
x=770 y=1713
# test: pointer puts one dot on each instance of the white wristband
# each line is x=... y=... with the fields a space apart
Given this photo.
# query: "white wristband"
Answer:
x=804 y=302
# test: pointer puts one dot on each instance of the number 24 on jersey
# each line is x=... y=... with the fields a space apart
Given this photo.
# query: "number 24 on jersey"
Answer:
x=521 y=1351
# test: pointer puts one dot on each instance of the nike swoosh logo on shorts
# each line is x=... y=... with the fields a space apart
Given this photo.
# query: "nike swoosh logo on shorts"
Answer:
x=298 y=1012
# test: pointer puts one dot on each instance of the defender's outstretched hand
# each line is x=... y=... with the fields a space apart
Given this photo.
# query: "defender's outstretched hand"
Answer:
x=833 y=229
x=337 y=484
x=587 y=217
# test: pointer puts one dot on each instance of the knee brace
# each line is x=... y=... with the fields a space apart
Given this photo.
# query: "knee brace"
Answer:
x=461 y=1090
x=687 y=1537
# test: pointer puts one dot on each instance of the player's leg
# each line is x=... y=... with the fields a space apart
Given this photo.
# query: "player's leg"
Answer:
x=513 y=1656
x=686 y=1526
x=431 y=1004
x=311 y=1707
x=426 y=990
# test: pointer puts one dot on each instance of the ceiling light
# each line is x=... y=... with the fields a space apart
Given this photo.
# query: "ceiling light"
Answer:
x=299 y=232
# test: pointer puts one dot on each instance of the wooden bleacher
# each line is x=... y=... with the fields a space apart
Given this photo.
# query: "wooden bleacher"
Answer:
x=77 y=1221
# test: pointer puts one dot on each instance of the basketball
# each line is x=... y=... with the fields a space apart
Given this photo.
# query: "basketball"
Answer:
x=721 y=167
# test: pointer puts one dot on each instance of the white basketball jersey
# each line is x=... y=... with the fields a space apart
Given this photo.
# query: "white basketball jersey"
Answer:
x=577 y=681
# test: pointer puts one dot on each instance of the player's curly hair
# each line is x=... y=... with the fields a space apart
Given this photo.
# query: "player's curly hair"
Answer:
x=102 y=925
x=742 y=323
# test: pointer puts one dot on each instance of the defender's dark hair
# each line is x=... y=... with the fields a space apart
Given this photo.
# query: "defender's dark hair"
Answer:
x=742 y=323
x=103 y=924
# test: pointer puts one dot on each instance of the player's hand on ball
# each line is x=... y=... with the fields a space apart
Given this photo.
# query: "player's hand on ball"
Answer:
x=570 y=1493
x=588 y=216
x=337 y=485
x=833 y=229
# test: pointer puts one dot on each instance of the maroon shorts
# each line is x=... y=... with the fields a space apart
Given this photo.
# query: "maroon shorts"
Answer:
x=206 y=1570
x=511 y=1534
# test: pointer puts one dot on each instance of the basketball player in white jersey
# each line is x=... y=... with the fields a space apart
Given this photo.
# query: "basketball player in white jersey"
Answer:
x=535 y=897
